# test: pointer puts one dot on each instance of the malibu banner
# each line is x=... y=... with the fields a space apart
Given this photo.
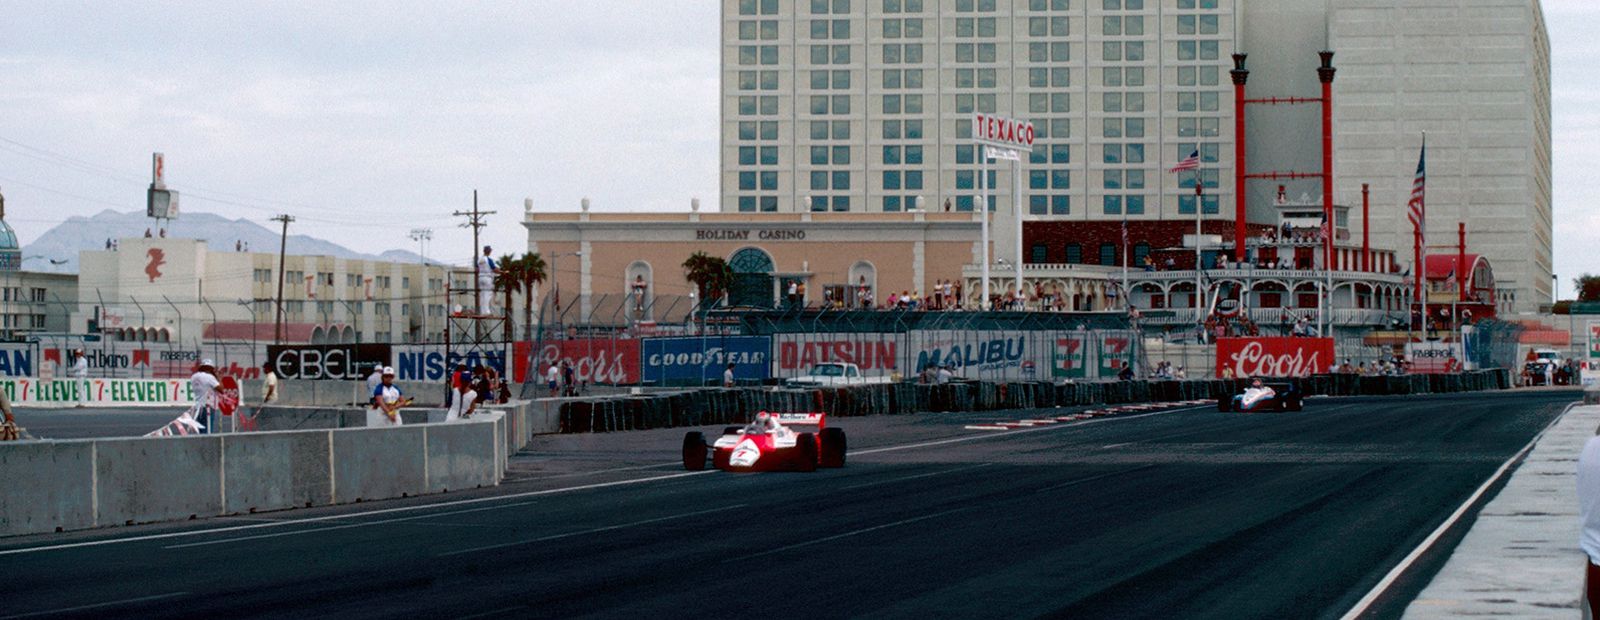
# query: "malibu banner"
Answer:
x=1274 y=357
x=694 y=360
x=98 y=392
x=984 y=354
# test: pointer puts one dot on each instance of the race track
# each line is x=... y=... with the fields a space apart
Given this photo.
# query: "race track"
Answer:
x=1184 y=513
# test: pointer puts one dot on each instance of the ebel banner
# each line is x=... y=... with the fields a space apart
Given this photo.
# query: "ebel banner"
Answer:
x=118 y=392
x=327 y=362
x=675 y=361
x=1274 y=357
x=877 y=354
x=434 y=363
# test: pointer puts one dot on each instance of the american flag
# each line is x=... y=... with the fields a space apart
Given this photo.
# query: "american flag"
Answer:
x=1192 y=162
x=1327 y=231
x=1418 y=215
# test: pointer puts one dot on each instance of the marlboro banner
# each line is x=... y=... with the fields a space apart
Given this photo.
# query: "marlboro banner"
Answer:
x=1274 y=357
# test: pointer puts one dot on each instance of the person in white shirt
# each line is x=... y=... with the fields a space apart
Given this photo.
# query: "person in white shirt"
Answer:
x=727 y=376
x=486 y=268
x=1589 y=517
x=80 y=365
x=374 y=380
x=553 y=377
x=943 y=376
x=387 y=401
x=203 y=384
x=269 y=384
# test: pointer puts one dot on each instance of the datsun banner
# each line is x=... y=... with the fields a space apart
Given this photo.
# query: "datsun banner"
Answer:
x=677 y=361
x=98 y=392
x=1274 y=357
x=593 y=360
x=876 y=353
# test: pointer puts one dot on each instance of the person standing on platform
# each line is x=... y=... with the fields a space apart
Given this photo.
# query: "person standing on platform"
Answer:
x=486 y=268
x=203 y=384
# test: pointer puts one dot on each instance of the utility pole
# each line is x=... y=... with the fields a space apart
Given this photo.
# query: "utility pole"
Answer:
x=283 y=243
x=475 y=220
x=422 y=236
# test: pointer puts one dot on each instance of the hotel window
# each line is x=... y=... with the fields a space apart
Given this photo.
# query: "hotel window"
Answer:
x=1039 y=254
x=1074 y=253
x=1108 y=254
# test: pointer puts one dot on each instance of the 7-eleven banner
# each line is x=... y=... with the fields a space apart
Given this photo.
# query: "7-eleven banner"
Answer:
x=1116 y=352
x=1070 y=359
x=1594 y=342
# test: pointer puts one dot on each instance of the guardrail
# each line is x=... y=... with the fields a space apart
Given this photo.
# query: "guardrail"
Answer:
x=78 y=484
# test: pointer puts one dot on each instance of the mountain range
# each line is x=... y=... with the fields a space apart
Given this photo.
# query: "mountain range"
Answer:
x=63 y=242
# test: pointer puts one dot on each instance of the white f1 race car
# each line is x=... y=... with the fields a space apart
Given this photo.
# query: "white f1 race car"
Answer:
x=768 y=444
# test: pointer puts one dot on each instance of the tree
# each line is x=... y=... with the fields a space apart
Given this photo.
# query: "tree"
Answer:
x=509 y=280
x=711 y=275
x=1588 y=286
x=532 y=272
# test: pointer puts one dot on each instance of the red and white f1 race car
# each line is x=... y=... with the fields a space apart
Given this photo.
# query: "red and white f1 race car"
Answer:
x=768 y=444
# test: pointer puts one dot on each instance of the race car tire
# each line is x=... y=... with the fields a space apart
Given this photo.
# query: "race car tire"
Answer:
x=1294 y=404
x=694 y=451
x=1223 y=404
x=831 y=448
x=806 y=451
x=731 y=430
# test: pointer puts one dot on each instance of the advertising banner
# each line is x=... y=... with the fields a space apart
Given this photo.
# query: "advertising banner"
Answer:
x=1432 y=358
x=677 y=361
x=983 y=354
x=594 y=360
x=327 y=362
x=1274 y=357
x=1115 y=352
x=878 y=354
x=434 y=363
x=18 y=360
x=98 y=392
x=1071 y=357
x=1594 y=342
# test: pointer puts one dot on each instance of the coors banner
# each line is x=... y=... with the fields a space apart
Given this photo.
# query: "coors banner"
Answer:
x=1274 y=357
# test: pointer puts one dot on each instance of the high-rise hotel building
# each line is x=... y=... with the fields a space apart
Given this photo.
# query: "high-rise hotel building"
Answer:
x=865 y=106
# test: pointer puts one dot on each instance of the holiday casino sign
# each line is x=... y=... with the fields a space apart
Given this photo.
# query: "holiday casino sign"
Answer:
x=731 y=234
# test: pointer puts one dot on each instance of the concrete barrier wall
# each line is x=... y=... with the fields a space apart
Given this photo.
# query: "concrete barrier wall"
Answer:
x=78 y=484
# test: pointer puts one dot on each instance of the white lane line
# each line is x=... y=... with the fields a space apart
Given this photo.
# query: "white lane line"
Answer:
x=985 y=427
x=846 y=535
x=340 y=517
x=494 y=612
x=1388 y=580
x=500 y=498
x=68 y=610
x=589 y=531
x=905 y=478
x=1116 y=445
x=1013 y=433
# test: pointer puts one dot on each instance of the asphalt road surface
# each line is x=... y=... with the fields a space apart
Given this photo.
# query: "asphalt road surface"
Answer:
x=94 y=422
x=1185 y=513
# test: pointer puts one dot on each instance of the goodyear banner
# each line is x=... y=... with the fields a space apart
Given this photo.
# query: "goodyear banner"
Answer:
x=97 y=392
x=693 y=360
x=1070 y=359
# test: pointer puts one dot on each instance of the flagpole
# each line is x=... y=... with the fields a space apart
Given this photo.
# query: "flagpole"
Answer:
x=983 y=211
x=1127 y=299
x=1199 y=200
x=1422 y=243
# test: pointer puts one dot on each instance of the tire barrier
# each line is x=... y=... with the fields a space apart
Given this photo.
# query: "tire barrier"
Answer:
x=726 y=406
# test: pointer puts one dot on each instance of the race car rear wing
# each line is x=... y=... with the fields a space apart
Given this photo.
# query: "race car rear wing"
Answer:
x=818 y=420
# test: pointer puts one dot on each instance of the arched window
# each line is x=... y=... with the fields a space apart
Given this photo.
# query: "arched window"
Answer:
x=752 y=279
x=751 y=260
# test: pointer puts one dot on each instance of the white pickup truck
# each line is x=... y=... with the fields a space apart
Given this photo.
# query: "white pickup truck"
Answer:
x=835 y=374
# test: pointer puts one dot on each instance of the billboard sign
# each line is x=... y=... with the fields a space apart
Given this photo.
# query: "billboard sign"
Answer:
x=1003 y=132
x=877 y=354
x=425 y=363
x=990 y=354
x=1432 y=358
x=1274 y=357
x=593 y=360
x=1070 y=359
x=695 y=360
x=1594 y=342
x=327 y=362
x=1115 y=352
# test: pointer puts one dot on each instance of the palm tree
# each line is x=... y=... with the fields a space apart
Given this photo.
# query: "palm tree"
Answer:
x=532 y=272
x=711 y=275
x=508 y=279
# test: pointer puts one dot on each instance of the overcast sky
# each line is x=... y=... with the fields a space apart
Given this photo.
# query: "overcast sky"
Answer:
x=365 y=120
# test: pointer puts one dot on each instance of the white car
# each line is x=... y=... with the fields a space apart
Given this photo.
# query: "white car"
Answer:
x=835 y=373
